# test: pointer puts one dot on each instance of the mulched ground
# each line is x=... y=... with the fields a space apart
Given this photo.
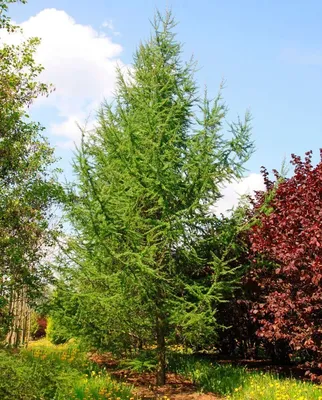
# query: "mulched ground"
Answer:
x=177 y=387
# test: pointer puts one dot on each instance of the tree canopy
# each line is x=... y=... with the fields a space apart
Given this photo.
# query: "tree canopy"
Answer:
x=28 y=187
x=286 y=245
x=146 y=180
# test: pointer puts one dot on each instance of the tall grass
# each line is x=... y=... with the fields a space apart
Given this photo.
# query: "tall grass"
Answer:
x=237 y=383
x=208 y=376
x=78 y=378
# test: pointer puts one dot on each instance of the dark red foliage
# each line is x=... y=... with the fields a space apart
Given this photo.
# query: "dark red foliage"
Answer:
x=286 y=245
x=42 y=326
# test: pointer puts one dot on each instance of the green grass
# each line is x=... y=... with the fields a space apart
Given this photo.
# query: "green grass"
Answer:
x=208 y=376
x=236 y=383
x=44 y=371
x=269 y=387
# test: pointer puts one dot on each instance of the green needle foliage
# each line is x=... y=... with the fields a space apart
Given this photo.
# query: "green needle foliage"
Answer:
x=147 y=178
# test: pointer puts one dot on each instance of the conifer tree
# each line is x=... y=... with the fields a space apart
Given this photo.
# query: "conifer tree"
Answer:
x=146 y=180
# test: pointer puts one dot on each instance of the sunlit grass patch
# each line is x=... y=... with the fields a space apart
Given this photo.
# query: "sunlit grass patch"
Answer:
x=101 y=387
x=237 y=383
x=269 y=387
x=80 y=378
x=67 y=353
x=207 y=375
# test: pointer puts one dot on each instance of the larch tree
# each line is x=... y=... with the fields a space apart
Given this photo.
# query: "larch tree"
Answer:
x=27 y=184
x=146 y=180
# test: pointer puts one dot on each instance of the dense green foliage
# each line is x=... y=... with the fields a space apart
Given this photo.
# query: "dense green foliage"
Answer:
x=28 y=187
x=142 y=262
x=57 y=332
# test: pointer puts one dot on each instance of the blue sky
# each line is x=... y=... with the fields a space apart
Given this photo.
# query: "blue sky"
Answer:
x=269 y=53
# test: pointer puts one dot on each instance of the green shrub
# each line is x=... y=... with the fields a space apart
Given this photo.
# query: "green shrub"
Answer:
x=145 y=361
x=56 y=332
x=4 y=318
x=33 y=323
x=21 y=380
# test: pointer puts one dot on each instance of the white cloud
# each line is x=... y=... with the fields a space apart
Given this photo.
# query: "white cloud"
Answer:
x=108 y=24
x=232 y=192
x=72 y=128
x=80 y=62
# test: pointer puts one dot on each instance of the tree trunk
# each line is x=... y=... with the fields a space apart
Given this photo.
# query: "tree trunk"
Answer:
x=11 y=335
x=20 y=313
x=161 y=350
